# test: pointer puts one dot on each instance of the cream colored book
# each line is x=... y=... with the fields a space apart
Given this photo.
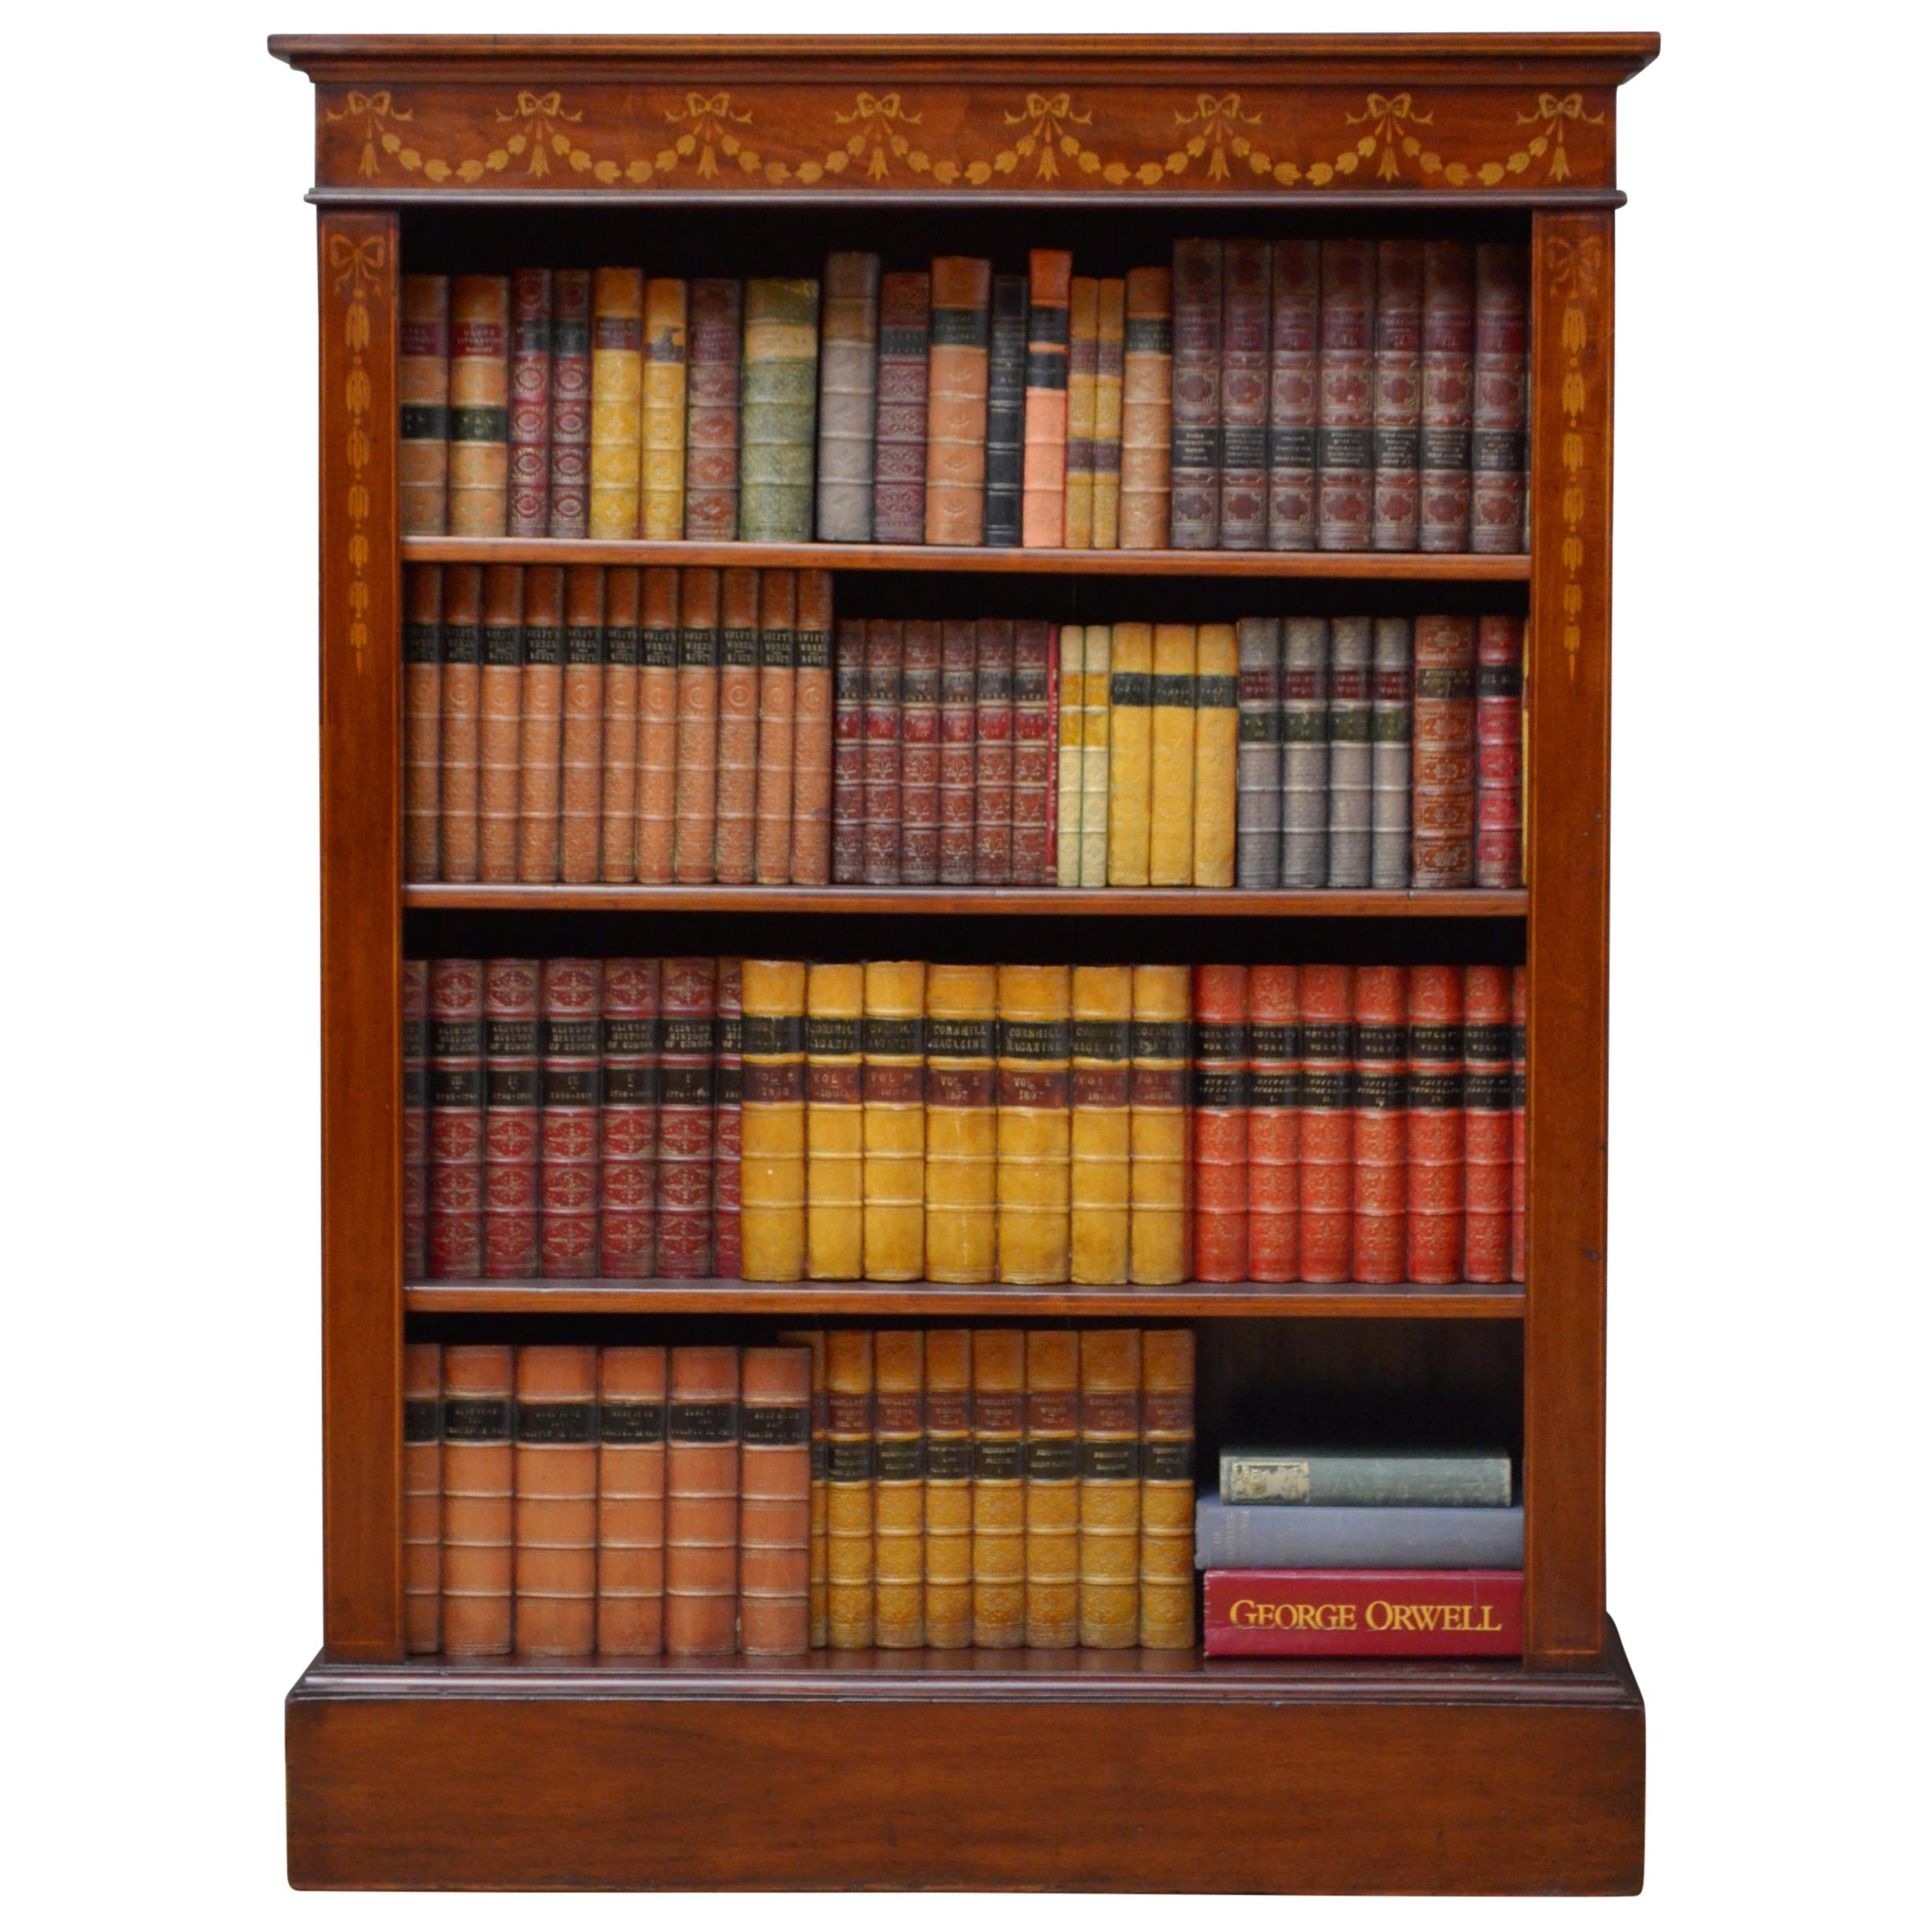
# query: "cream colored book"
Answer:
x=1096 y=731
x=1072 y=723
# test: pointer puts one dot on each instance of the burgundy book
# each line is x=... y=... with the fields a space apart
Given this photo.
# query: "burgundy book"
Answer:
x=1499 y=752
x=1442 y=799
x=415 y=1118
x=1194 y=472
x=993 y=753
x=848 y=750
x=1345 y=446
x=688 y=1005
x=958 y=740
x=1398 y=396
x=811 y=743
x=1449 y=335
x=1033 y=786
x=1518 y=1122
x=885 y=653
x=1244 y=304
x=454 y=1163
x=1380 y=1244
x=1498 y=452
x=898 y=448
x=572 y=999
x=711 y=422
x=570 y=404
x=530 y=402
x=627 y=1128
x=1363 y=1613
x=1294 y=385
x=727 y=1140
x=511 y=1123
x=1487 y=1123
x=1435 y=1125
x=918 y=770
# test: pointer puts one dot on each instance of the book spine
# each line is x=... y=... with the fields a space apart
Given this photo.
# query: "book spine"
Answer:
x=960 y=1123
x=461 y=684
x=1098 y=1148
x=851 y=1471
x=812 y=1340
x=711 y=417
x=1319 y=1479
x=1032 y=751
x=1052 y=1489
x=422 y=719
x=1392 y=729
x=1379 y=1243
x=1170 y=843
x=899 y=1498
x=919 y=777
x=1258 y=760
x=415 y=1119
x=1350 y=755
x=479 y=1492
x=627 y=1124
x=958 y=750
x=572 y=1002
x=848 y=751
x=422 y=1498
x=1498 y=461
x=881 y=759
x=617 y=401
x=1160 y=1224
x=1327 y=1121
x=1052 y=868
x=479 y=405
x=1035 y=1012
x=1195 y=472
x=1042 y=502
x=1294 y=393
x=1396 y=524
x=893 y=1097
x=512 y=1121
x=1449 y=335
x=774 y=1503
x=695 y=844
x=777 y=725
x=1109 y=1506
x=1518 y=1122
x=1216 y=735
x=727 y=1125
x=735 y=857
x=955 y=401
x=570 y=404
x=1363 y=1613
x=999 y=1574
x=1219 y=1123
x=1499 y=752
x=499 y=749
x=1083 y=407
x=773 y=1175
x=779 y=417
x=993 y=753
x=556 y=1501
x=1340 y=1537
x=1006 y=410
x=811 y=740
x=632 y=1391
x=1130 y=754
x=1345 y=441
x=1274 y=1123
x=540 y=792
x=947 y=1605
x=1244 y=386
x=581 y=800
x=1146 y=410
x=622 y=645
x=1070 y=754
x=531 y=301
x=687 y=1091
x=1096 y=742
x=422 y=405
x=899 y=438
x=1487 y=1123
x=656 y=728
x=834 y=1124
x=1110 y=364
x=701 y=1462
x=453 y=1164
x=1443 y=804
x=1304 y=752
x=1435 y=1125
x=1166 y=1489
x=847 y=397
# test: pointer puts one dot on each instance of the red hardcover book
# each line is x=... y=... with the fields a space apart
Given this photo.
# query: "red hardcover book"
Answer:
x=1499 y=752
x=727 y=1122
x=686 y=1045
x=1294 y=385
x=627 y=1126
x=1449 y=335
x=462 y=702
x=1219 y=1123
x=899 y=447
x=777 y=724
x=1274 y=1123
x=1487 y=1123
x=737 y=728
x=711 y=422
x=631 y=1388
x=1497 y=453
x=623 y=643
x=1195 y=473
x=1518 y=1122
x=1033 y=787
x=1052 y=803
x=1042 y=502
x=530 y=402
x=1443 y=800
x=1381 y=1186
x=580 y=834
x=848 y=751
x=919 y=770
x=1346 y=445
x=455 y=1164
x=885 y=657
x=422 y=719
x=1398 y=395
x=511 y=1123
x=1327 y=1122
x=1244 y=302
x=499 y=742
x=570 y=404
x=993 y=753
x=1363 y=1613
x=415 y=1119
x=811 y=743
x=1435 y=1125
x=694 y=848
x=540 y=792
x=571 y=1001
x=958 y=750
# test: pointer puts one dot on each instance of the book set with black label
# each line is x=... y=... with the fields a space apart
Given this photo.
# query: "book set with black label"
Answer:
x=964 y=754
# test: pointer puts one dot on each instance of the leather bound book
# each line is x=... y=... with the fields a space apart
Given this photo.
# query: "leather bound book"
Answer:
x=632 y=1391
x=848 y=751
x=727 y=1253
x=695 y=860
x=1435 y=1125
x=415 y=1119
x=422 y=405
x=1215 y=732
x=422 y=1498
x=1498 y=450
x=1099 y=1137
x=571 y=1040
x=1110 y=1530
x=479 y=1520
x=1096 y=734
x=812 y=1340
x=570 y=404
x=701 y=1504
x=1244 y=383
x=666 y=351
x=479 y=405
x=999 y=1543
x=656 y=728
x=1304 y=752
x=454 y=1161
x=777 y=725
x=422 y=719
x=919 y=771
x=1035 y=1012
x=1258 y=758
x=1391 y=730
x=617 y=401
x=1166 y=1489
x=850 y=1467
x=530 y=403
x=962 y=1123
x=556 y=1501
x=1363 y=1613
x=848 y=397
x=1443 y=800
x=811 y=743
x=1072 y=717
x=581 y=813
x=461 y=684
x=1083 y=403
x=884 y=657
x=955 y=401
x=1448 y=337
x=1110 y=362
x=1160 y=1224
x=834 y=1123
x=540 y=792
x=778 y=420
x=893 y=1091
x=1351 y=784
x=1345 y=442
x=1006 y=411
x=958 y=750
x=1032 y=751
x=737 y=728
x=1220 y=1124
x=1195 y=477
x=1499 y=752
x=899 y=433
x=512 y=1121
x=1052 y=1489
x=1380 y=1236
x=773 y=1160
x=499 y=749
x=1518 y=1122
x=627 y=1125
x=774 y=1503
x=1327 y=1122
x=949 y=1461
x=1170 y=842
x=623 y=638
x=1146 y=410
x=687 y=1046
x=899 y=1497
x=1487 y=1123
x=1294 y=392
x=993 y=753
x=1274 y=1123
x=1130 y=754
x=1397 y=523
x=712 y=414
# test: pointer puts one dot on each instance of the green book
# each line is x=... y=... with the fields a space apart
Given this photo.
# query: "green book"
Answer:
x=778 y=428
x=1358 y=1477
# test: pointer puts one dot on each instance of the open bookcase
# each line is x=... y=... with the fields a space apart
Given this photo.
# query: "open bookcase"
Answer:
x=1134 y=1770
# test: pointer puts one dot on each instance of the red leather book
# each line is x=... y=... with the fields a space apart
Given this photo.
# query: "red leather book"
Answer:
x=512 y=1122
x=1033 y=786
x=1498 y=455
x=557 y=1500
x=1244 y=305
x=1449 y=335
x=711 y=424
x=686 y=1044
x=737 y=728
x=955 y=401
x=1380 y=1236
x=1345 y=446
x=415 y=1119
x=993 y=753
x=1219 y=1123
x=1363 y=1613
x=530 y=402
x=570 y=404
x=1327 y=1122
x=1443 y=800
x=885 y=656
x=848 y=751
x=919 y=770
x=1274 y=1123
x=811 y=743
x=499 y=745
x=1398 y=395
x=774 y=1502
x=541 y=791
x=1518 y=1122
x=623 y=643
x=461 y=685
x=695 y=849
x=1294 y=390
x=1194 y=472
x=422 y=397
x=1043 y=487
x=455 y=1162
x=1435 y=1125
x=899 y=448
x=701 y=1504
x=571 y=1001
x=1054 y=647
x=422 y=1498
x=727 y=1122
x=1499 y=752
x=422 y=719
x=958 y=750
x=656 y=728
x=1488 y=1124
x=627 y=1126
x=580 y=827
x=632 y=1390
x=777 y=724
x=479 y=1491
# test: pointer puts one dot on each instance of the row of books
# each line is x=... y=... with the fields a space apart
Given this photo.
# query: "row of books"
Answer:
x=776 y=1121
x=1342 y=394
x=701 y=725
x=846 y=1488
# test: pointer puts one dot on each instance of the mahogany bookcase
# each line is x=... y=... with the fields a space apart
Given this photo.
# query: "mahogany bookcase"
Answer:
x=1121 y=1771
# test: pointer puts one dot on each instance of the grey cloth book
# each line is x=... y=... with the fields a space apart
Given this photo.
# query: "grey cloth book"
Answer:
x=1264 y=1537
x=1258 y=755
x=1304 y=752
x=1295 y=1478
x=1351 y=659
x=847 y=397
x=1393 y=731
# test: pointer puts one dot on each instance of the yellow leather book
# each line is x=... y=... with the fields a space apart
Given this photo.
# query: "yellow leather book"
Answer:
x=1215 y=724
x=816 y=1605
x=772 y=1175
x=1158 y=1127
x=616 y=400
x=1109 y=1488
x=1083 y=370
x=1170 y=843
x=999 y=1543
x=666 y=355
x=1095 y=733
x=894 y=1096
x=899 y=1495
x=1103 y=1012
x=961 y=1124
x=1130 y=689
x=1035 y=1006
x=949 y=1489
x=1073 y=737
x=1052 y=1489
x=1109 y=366
x=850 y=1482
x=1166 y=1489
x=835 y=1125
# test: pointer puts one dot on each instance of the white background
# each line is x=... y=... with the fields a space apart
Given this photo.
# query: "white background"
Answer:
x=1767 y=1345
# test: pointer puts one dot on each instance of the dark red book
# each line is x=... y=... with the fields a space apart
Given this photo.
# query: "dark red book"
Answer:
x=727 y=1117
x=1435 y=1125
x=572 y=999
x=885 y=656
x=1449 y=335
x=1363 y=1613
x=918 y=768
x=1380 y=1243
x=1499 y=752
x=959 y=699
x=454 y=1164
x=1487 y=1125
x=415 y=1118
x=711 y=422
x=1327 y=1122
x=570 y=404
x=1398 y=395
x=899 y=444
x=1345 y=443
x=1243 y=451
x=849 y=746
x=1518 y=1122
x=1218 y=1123
x=1497 y=456
x=1033 y=751
x=1195 y=507
x=530 y=402
x=686 y=1126
x=993 y=753
x=627 y=1140
x=512 y=1122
